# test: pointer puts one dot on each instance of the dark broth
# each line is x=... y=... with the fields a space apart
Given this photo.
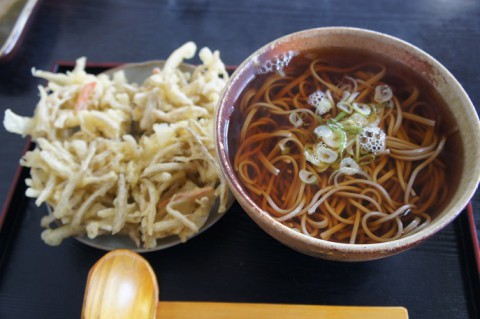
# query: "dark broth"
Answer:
x=396 y=76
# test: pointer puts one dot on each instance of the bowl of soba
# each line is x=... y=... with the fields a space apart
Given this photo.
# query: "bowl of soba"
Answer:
x=347 y=144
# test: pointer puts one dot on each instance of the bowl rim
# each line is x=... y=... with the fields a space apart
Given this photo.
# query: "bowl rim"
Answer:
x=221 y=145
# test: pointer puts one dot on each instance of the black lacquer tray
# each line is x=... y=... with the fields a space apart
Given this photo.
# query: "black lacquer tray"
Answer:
x=235 y=261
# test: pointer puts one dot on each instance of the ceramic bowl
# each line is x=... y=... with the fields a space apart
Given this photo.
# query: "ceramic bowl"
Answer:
x=465 y=172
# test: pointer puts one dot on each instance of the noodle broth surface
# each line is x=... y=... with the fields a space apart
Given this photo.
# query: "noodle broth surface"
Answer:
x=320 y=146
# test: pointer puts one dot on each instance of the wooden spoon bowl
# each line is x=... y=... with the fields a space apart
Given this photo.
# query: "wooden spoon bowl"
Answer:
x=121 y=284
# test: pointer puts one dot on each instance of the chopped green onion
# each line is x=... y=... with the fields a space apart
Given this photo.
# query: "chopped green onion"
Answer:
x=349 y=166
x=352 y=97
x=345 y=107
x=322 y=131
x=337 y=139
x=326 y=155
x=383 y=93
x=353 y=129
x=319 y=154
x=320 y=102
x=334 y=125
x=388 y=104
x=361 y=108
x=339 y=116
x=296 y=119
x=307 y=177
x=343 y=141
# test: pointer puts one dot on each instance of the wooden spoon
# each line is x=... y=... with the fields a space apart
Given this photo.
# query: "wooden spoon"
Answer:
x=123 y=285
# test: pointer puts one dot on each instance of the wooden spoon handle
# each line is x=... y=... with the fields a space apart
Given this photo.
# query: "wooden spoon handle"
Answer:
x=224 y=310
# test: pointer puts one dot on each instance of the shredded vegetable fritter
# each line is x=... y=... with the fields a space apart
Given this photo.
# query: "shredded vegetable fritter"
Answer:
x=114 y=157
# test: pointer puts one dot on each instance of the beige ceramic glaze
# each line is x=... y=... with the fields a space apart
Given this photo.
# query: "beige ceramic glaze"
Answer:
x=467 y=170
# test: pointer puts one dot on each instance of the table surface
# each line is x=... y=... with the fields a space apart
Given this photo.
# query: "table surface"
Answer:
x=132 y=31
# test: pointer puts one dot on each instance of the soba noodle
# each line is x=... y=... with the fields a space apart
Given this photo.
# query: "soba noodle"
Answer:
x=341 y=154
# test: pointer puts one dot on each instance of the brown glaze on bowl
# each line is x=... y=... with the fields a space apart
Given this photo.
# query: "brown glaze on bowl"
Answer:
x=467 y=168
